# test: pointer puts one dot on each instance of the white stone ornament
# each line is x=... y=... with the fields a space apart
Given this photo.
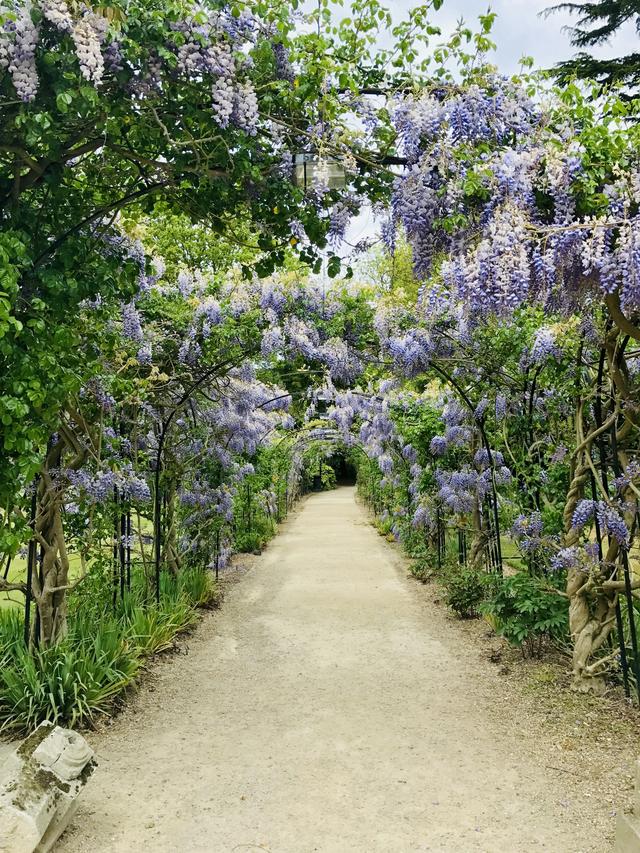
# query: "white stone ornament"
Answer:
x=39 y=787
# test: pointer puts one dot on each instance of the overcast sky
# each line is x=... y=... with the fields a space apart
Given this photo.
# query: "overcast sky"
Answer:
x=521 y=31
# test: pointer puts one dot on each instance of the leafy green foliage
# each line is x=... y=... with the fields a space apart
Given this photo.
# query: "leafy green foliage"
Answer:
x=526 y=610
x=69 y=683
x=464 y=588
x=423 y=569
x=78 y=156
x=318 y=474
x=596 y=22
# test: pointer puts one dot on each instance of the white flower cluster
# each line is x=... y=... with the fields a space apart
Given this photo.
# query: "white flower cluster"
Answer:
x=19 y=38
x=99 y=23
x=245 y=108
x=189 y=57
x=5 y=49
x=222 y=100
x=57 y=13
x=634 y=181
x=220 y=60
x=22 y=55
x=87 y=42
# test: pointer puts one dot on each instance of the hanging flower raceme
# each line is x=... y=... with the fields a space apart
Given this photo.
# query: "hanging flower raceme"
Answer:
x=610 y=521
x=527 y=531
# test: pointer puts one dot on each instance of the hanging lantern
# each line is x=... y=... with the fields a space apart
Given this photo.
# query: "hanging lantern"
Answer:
x=310 y=170
x=322 y=404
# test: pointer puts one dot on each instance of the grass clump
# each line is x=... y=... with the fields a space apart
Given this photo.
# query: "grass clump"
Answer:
x=68 y=683
x=80 y=678
x=150 y=629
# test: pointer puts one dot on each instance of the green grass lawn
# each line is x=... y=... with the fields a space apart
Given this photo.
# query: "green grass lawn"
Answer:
x=18 y=570
x=18 y=573
x=510 y=553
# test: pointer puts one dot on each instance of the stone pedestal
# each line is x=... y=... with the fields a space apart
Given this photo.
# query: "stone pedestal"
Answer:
x=39 y=786
x=628 y=827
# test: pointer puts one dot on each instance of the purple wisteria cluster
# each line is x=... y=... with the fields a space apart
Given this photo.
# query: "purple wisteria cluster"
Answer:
x=527 y=531
x=245 y=415
x=422 y=518
x=584 y=558
x=489 y=200
x=100 y=485
x=631 y=474
x=458 y=432
x=493 y=112
x=411 y=352
x=460 y=491
x=608 y=517
x=433 y=128
x=545 y=347
x=457 y=490
x=302 y=337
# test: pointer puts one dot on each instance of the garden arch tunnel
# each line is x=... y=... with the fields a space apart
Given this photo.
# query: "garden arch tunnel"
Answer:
x=336 y=456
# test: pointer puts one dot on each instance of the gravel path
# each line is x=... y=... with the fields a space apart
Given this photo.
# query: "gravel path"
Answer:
x=323 y=709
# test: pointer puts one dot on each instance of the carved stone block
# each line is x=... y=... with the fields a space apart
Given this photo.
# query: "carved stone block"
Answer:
x=39 y=786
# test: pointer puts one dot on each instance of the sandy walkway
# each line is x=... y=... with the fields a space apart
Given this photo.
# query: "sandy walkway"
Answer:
x=320 y=710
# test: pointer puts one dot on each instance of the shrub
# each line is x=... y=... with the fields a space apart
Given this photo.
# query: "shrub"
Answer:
x=383 y=524
x=526 y=610
x=262 y=530
x=248 y=541
x=422 y=570
x=464 y=590
x=69 y=683
x=95 y=594
x=413 y=542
